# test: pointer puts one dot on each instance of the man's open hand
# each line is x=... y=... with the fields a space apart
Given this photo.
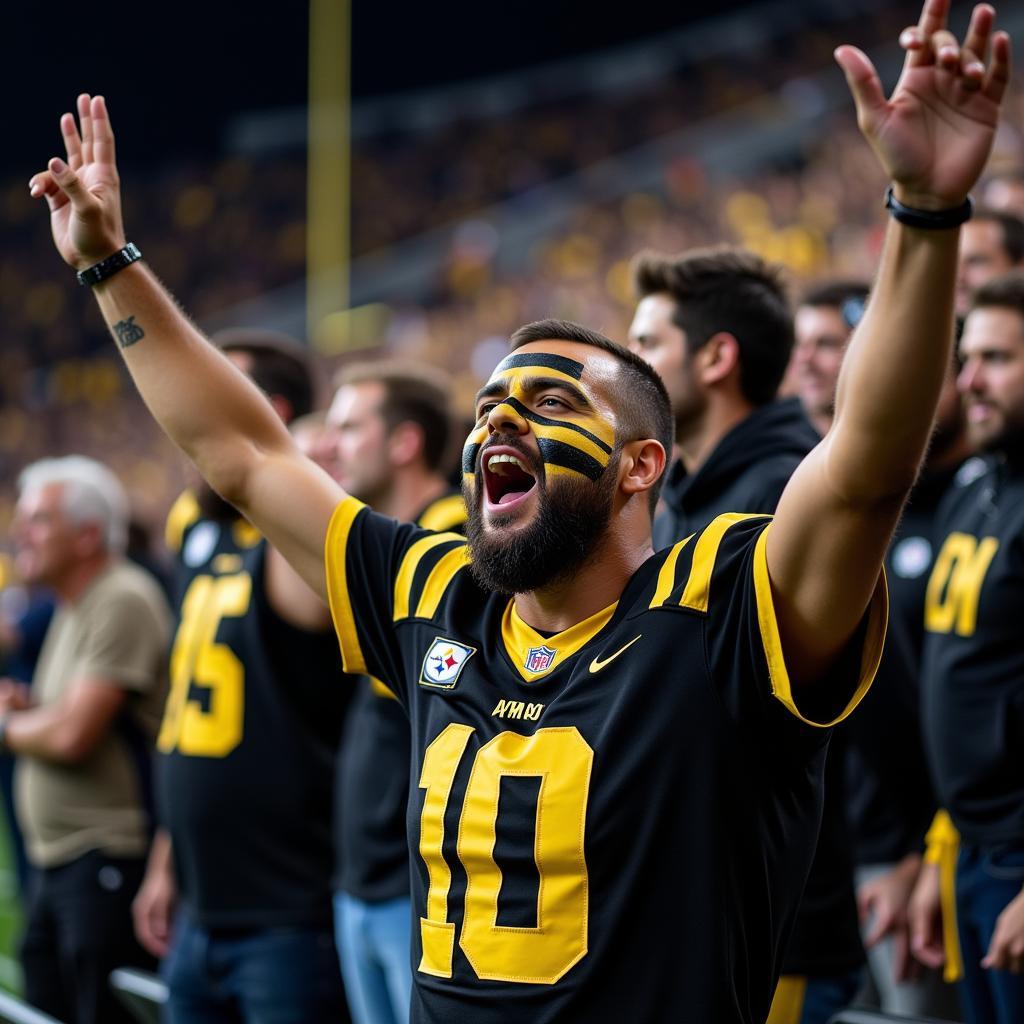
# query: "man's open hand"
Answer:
x=934 y=134
x=84 y=193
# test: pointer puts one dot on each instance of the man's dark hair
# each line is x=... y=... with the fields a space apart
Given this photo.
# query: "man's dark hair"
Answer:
x=724 y=288
x=1003 y=292
x=1011 y=229
x=849 y=298
x=280 y=364
x=642 y=406
x=413 y=393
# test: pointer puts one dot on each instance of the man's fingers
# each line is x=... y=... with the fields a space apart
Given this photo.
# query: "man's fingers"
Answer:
x=85 y=120
x=72 y=140
x=864 y=84
x=933 y=18
x=995 y=82
x=70 y=184
x=979 y=30
x=43 y=184
x=102 y=133
x=882 y=926
x=946 y=49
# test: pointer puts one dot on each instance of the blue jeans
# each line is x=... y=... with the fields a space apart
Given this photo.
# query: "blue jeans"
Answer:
x=987 y=879
x=268 y=976
x=374 y=940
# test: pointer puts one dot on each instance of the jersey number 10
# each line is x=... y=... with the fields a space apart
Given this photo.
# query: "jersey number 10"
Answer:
x=562 y=759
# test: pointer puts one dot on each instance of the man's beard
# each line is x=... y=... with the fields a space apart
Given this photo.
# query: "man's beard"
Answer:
x=571 y=520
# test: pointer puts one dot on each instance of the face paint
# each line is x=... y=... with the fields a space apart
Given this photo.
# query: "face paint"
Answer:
x=578 y=444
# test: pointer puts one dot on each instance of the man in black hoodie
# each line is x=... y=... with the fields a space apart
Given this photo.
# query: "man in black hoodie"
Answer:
x=716 y=325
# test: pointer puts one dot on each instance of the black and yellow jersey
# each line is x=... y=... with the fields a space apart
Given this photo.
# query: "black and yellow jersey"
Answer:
x=611 y=823
x=974 y=659
x=372 y=783
x=248 y=739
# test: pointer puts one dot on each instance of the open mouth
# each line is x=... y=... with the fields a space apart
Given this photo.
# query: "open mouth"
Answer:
x=506 y=478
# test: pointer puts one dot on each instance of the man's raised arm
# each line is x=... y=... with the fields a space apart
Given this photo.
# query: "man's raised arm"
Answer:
x=204 y=403
x=836 y=517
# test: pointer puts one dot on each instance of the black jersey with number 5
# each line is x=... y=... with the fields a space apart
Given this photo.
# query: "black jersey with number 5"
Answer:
x=612 y=823
x=246 y=746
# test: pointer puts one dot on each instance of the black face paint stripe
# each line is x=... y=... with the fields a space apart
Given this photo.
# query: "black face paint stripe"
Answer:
x=558 y=453
x=469 y=454
x=545 y=422
x=569 y=367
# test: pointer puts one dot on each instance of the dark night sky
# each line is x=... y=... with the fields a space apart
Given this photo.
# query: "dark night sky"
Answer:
x=174 y=73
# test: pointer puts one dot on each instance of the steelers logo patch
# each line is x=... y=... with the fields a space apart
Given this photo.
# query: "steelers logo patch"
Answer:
x=444 y=663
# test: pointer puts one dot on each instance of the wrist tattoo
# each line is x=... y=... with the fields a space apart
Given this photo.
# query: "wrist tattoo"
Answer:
x=128 y=332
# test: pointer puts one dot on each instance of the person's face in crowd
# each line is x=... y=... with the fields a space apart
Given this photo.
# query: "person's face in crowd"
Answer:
x=821 y=338
x=992 y=378
x=982 y=257
x=358 y=432
x=1005 y=195
x=540 y=470
x=49 y=544
x=655 y=337
x=316 y=442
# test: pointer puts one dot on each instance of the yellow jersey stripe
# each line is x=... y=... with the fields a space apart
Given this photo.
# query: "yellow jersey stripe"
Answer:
x=337 y=584
x=440 y=576
x=444 y=514
x=698 y=586
x=407 y=570
x=778 y=674
x=942 y=847
x=184 y=512
x=788 y=1001
x=667 y=574
x=379 y=689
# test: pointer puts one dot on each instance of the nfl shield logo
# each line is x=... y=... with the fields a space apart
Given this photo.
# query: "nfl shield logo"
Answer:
x=539 y=659
x=444 y=663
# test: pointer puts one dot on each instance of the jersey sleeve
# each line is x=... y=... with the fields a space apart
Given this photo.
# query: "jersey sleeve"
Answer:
x=381 y=573
x=728 y=581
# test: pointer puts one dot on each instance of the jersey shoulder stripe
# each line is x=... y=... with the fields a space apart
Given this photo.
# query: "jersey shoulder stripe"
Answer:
x=335 y=561
x=684 y=580
x=183 y=514
x=444 y=515
x=425 y=572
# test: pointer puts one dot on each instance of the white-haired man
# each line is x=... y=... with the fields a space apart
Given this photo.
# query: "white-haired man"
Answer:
x=83 y=734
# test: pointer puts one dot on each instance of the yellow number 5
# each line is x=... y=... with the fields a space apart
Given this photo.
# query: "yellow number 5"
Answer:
x=562 y=759
x=196 y=657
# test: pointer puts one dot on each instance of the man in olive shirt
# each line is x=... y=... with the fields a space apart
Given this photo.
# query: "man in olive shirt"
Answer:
x=84 y=736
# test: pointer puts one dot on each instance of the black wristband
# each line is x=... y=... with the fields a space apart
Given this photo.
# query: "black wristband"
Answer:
x=111 y=265
x=929 y=220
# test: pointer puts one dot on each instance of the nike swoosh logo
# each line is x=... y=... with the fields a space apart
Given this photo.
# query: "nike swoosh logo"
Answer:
x=598 y=663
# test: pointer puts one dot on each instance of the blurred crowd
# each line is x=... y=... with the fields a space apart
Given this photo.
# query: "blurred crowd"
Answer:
x=230 y=230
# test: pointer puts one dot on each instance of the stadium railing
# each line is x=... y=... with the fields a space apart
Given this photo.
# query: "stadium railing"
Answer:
x=14 y=1011
x=140 y=992
x=875 y=1017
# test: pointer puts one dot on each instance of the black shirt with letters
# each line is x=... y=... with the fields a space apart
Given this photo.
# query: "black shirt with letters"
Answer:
x=974 y=656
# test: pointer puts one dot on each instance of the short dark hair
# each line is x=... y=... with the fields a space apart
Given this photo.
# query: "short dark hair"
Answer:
x=848 y=297
x=280 y=364
x=725 y=288
x=644 y=410
x=413 y=393
x=1003 y=292
x=1011 y=228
